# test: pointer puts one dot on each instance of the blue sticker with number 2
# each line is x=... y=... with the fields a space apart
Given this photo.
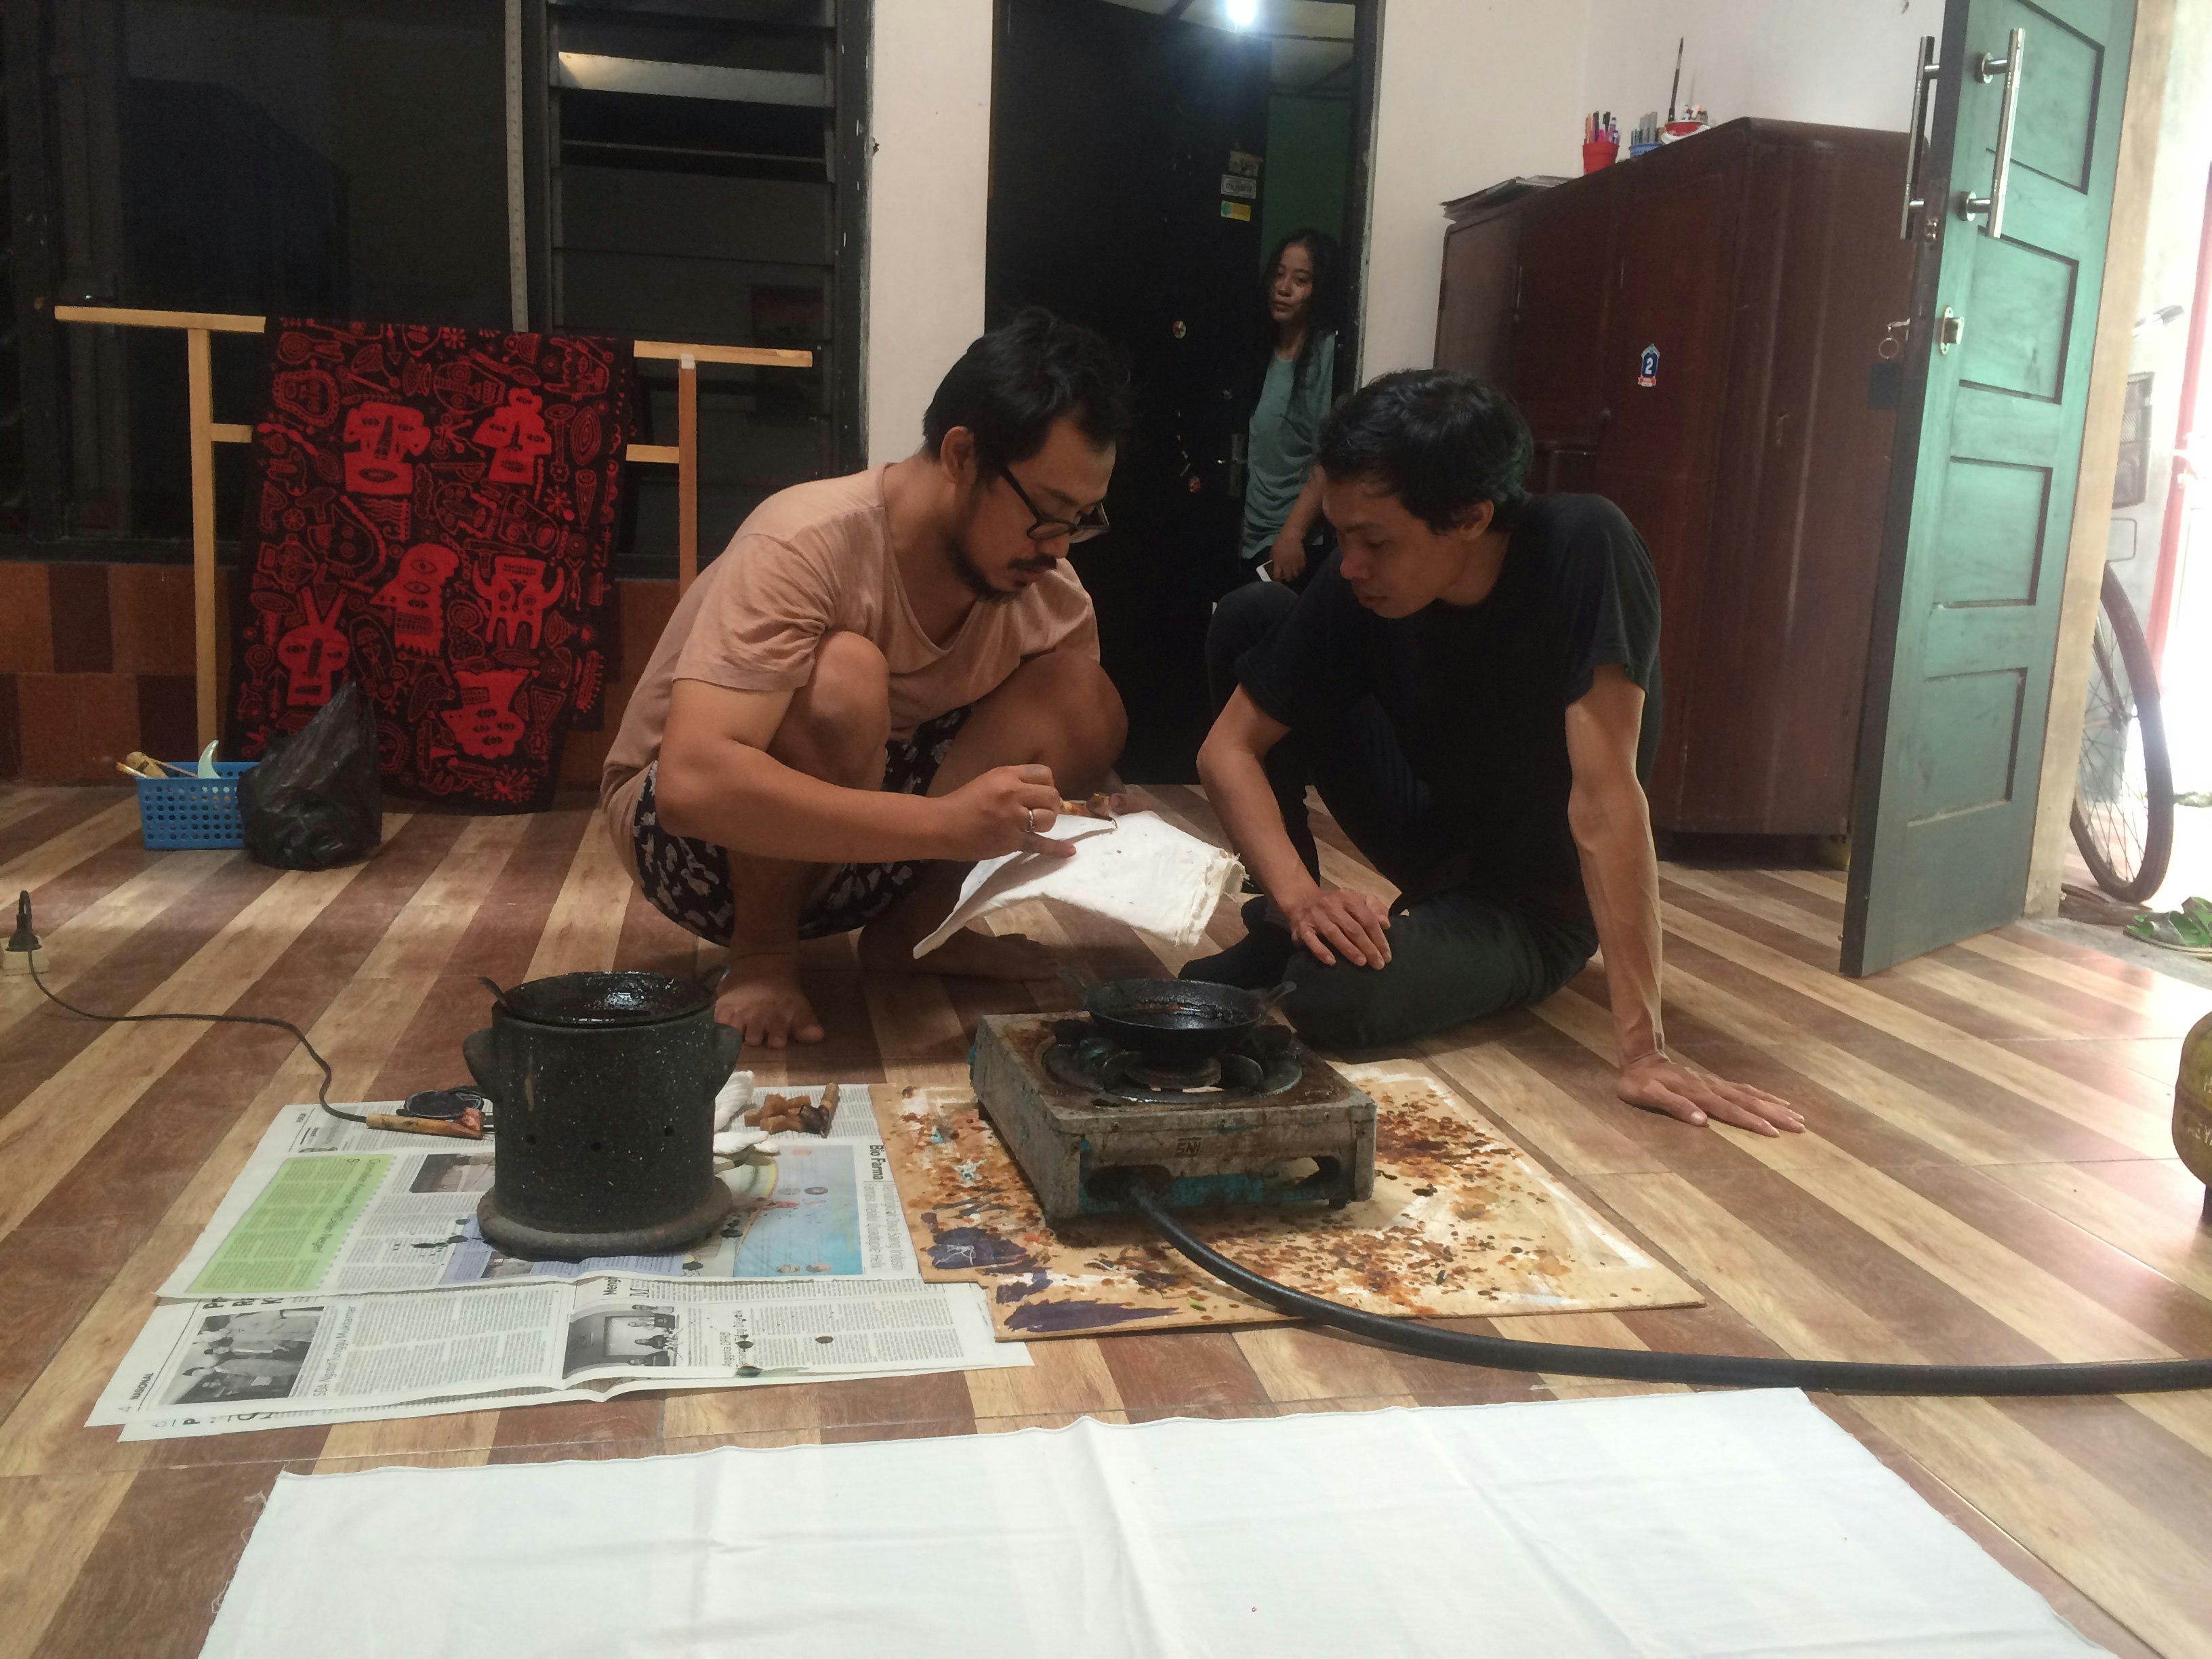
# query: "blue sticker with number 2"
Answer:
x=1647 y=367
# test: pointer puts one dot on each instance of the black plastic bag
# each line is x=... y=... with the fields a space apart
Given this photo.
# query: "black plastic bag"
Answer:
x=315 y=800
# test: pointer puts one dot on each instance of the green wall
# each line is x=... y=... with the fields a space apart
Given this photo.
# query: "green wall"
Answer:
x=1302 y=184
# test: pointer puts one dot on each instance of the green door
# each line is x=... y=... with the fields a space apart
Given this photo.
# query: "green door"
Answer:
x=1988 y=442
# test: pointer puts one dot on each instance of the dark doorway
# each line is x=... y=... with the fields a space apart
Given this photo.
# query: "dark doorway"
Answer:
x=1129 y=154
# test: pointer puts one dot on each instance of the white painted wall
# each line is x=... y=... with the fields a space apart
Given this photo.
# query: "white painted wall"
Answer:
x=1476 y=91
x=1843 y=63
x=928 y=190
x=2169 y=278
x=1471 y=92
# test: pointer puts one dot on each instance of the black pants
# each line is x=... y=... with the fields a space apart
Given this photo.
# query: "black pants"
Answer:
x=1457 y=951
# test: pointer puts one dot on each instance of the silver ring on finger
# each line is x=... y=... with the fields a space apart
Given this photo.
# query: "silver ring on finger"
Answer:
x=1028 y=819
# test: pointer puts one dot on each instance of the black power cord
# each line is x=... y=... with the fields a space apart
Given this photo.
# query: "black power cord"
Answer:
x=26 y=941
x=1646 y=1366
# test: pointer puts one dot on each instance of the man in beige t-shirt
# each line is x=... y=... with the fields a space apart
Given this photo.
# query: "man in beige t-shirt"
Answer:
x=884 y=678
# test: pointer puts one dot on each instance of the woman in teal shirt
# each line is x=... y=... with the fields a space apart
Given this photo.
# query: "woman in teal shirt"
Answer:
x=1303 y=295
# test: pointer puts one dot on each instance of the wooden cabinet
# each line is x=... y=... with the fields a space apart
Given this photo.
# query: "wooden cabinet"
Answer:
x=1761 y=261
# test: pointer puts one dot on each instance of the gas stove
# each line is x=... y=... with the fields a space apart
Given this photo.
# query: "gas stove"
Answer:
x=1265 y=1121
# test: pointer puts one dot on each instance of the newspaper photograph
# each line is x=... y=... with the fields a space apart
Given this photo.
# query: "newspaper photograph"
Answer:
x=130 y=1392
x=325 y=1206
x=225 y=1364
x=361 y=1350
x=621 y=1326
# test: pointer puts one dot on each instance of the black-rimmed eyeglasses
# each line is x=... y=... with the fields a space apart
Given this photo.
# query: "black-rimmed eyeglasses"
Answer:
x=1094 y=522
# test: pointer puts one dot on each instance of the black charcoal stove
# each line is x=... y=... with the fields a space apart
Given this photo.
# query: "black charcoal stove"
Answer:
x=1263 y=1121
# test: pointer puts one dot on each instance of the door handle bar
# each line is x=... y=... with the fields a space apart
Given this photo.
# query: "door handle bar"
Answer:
x=1923 y=77
x=1994 y=202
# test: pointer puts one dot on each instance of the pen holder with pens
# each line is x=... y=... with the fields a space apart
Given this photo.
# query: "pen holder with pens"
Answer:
x=1600 y=153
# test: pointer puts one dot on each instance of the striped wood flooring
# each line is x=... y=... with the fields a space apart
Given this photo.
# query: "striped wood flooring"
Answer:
x=1989 y=1178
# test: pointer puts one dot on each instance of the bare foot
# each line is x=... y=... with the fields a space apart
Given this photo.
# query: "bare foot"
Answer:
x=966 y=952
x=760 y=996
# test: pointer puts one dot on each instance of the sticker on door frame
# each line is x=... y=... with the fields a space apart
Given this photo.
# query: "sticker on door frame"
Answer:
x=1647 y=367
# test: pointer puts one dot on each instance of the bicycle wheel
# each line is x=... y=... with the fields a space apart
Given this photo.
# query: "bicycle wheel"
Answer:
x=2123 y=817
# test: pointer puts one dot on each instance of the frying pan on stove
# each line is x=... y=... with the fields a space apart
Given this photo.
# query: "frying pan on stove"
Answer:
x=1179 y=1021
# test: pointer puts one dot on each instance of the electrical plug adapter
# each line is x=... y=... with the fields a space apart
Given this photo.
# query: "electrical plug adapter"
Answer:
x=23 y=951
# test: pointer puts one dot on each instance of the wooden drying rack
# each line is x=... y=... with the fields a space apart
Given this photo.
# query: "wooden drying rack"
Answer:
x=207 y=432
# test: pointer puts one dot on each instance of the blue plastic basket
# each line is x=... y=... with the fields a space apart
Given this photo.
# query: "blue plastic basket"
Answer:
x=193 y=812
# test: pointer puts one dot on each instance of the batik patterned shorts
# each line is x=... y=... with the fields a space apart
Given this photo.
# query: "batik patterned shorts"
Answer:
x=687 y=881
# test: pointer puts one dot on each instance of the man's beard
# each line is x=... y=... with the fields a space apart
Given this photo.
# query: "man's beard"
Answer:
x=973 y=579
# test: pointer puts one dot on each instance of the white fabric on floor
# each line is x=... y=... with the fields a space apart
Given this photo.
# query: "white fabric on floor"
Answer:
x=1690 y=1524
x=1140 y=870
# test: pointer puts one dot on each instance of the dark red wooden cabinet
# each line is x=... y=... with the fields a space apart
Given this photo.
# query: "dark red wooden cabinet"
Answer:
x=1761 y=262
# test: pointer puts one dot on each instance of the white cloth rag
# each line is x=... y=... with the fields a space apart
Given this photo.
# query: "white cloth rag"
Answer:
x=1140 y=870
x=1650 y=1526
x=731 y=1102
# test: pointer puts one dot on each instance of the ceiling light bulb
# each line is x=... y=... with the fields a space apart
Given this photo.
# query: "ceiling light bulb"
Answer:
x=1243 y=13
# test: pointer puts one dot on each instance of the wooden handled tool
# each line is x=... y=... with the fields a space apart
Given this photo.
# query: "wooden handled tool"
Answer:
x=784 y=1114
x=1100 y=806
x=469 y=1126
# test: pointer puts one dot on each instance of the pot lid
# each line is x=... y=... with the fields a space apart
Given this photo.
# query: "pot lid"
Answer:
x=627 y=997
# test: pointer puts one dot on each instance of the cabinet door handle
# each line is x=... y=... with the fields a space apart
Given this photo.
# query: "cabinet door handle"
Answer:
x=1923 y=77
x=1994 y=202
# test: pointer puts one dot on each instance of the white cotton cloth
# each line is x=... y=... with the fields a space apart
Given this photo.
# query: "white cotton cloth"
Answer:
x=1140 y=870
x=731 y=1100
x=1656 y=1525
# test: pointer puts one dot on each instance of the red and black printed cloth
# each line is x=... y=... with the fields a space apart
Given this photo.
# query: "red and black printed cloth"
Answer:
x=430 y=514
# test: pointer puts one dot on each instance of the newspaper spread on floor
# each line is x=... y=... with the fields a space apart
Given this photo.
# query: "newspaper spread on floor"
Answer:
x=343 y=1279
x=332 y=1207
x=231 y=1363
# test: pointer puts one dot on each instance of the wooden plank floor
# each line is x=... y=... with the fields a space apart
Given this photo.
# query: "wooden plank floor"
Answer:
x=1989 y=1178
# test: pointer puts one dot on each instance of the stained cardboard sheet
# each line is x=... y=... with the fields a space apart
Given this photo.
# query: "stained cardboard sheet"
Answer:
x=1462 y=1222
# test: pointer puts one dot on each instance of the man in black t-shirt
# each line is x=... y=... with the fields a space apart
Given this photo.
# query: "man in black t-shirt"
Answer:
x=1472 y=684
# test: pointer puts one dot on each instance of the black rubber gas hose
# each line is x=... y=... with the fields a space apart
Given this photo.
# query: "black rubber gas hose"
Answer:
x=1646 y=1366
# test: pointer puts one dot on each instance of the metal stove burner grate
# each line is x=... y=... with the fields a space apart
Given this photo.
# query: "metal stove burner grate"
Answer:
x=1262 y=1065
x=1060 y=1094
x=1136 y=1071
